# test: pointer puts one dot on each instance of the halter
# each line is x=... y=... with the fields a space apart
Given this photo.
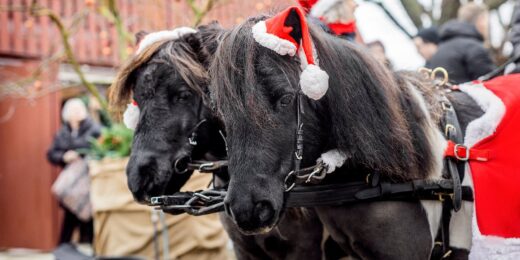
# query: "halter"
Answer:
x=184 y=164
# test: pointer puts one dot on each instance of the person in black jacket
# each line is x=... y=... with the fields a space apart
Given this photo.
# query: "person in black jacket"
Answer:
x=461 y=52
x=74 y=136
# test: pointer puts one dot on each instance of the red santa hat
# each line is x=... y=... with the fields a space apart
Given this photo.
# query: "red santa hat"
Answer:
x=286 y=33
x=307 y=4
x=132 y=112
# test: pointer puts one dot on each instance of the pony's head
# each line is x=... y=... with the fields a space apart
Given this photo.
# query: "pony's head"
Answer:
x=256 y=92
x=168 y=81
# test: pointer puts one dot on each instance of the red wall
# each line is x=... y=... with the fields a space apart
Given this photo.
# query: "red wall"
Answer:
x=29 y=215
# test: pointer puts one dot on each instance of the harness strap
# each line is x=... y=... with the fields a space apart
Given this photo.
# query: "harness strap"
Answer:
x=463 y=153
x=453 y=133
x=338 y=194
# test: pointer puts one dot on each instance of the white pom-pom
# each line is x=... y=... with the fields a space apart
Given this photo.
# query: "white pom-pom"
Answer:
x=332 y=159
x=314 y=82
x=131 y=116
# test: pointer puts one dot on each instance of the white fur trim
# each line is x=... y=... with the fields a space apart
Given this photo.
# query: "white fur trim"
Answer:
x=333 y=159
x=493 y=107
x=322 y=6
x=314 y=82
x=271 y=41
x=491 y=247
x=174 y=34
x=131 y=116
x=487 y=247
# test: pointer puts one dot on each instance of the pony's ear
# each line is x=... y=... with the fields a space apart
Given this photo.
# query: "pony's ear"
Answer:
x=139 y=36
x=293 y=20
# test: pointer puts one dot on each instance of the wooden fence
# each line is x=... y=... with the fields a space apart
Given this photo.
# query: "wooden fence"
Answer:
x=95 y=39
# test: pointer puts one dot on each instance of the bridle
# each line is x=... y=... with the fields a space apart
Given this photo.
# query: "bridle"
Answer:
x=298 y=175
x=185 y=164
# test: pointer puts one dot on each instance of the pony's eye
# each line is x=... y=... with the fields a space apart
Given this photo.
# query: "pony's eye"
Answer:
x=286 y=100
x=184 y=95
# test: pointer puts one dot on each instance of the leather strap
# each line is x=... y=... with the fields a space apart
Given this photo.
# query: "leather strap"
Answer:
x=463 y=153
x=453 y=133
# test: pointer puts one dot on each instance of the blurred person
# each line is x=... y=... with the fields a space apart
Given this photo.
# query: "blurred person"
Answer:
x=426 y=41
x=337 y=14
x=377 y=49
x=476 y=14
x=77 y=130
x=461 y=49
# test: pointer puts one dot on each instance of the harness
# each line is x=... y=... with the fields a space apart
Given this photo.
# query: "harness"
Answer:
x=304 y=188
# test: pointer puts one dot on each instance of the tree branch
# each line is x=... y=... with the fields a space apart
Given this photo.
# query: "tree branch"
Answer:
x=449 y=10
x=64 y=35
x=414 y=11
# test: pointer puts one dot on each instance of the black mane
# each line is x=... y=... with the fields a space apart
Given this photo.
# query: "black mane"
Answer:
x=364 y=107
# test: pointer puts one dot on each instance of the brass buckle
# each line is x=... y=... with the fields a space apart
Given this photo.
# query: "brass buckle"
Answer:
x=447 y=129
x=455 y=149
x=442 y=195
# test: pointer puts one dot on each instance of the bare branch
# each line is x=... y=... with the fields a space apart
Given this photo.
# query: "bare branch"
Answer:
x=64 y=34
x=449 y=10
x=414 y=11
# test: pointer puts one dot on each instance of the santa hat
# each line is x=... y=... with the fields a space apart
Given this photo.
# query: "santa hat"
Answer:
x=322 y=6
x=307 y=4
x=132 y=112
x=287 y=33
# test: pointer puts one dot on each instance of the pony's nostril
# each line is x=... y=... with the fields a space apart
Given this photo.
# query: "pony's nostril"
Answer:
x=265 y=211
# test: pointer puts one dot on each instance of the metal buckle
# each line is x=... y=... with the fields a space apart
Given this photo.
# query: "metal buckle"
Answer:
x=455 y=150
x=298 y=156
x=192 y=140
x=446 y=106
x=442 y=195
x=319 y=169
x=448 y=128
x=203 y=167
x=285 y=182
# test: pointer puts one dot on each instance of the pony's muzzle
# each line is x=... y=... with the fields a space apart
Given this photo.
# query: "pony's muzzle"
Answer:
x=251 y=220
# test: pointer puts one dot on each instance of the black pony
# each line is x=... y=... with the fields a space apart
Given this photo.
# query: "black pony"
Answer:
x=381 y=122
x=169 y=82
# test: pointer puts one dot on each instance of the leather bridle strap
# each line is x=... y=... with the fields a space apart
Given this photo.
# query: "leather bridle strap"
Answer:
x=298 y=154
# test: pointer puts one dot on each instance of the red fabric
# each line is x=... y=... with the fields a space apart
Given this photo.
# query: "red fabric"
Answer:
x=275 y=25
x=134 y=102
x=461 y=152
x=343 y=28
x=497 y=181
x=307 y=4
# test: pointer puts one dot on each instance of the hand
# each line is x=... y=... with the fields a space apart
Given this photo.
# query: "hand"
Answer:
x=70 y=156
